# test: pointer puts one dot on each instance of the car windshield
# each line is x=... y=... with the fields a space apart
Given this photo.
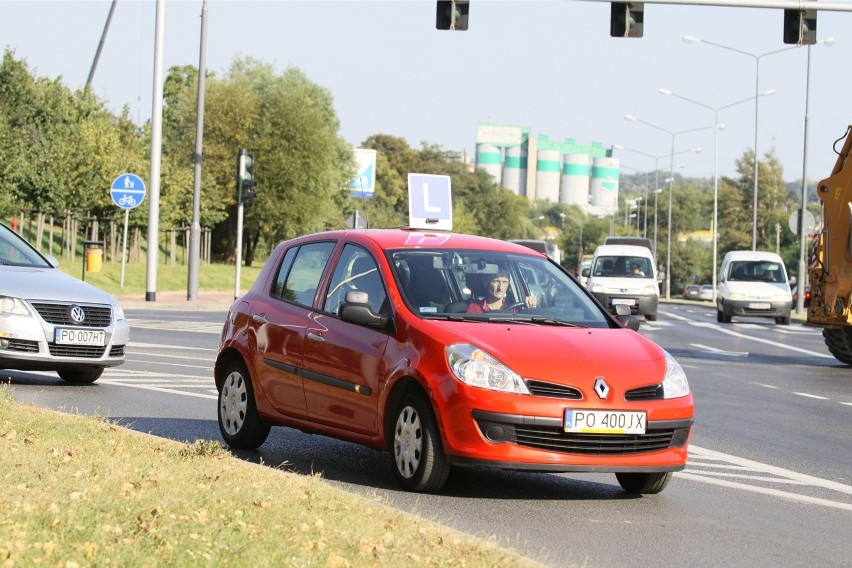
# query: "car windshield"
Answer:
x=622 y=266
x=15 y=251
x=757 y=271
x=459 y=284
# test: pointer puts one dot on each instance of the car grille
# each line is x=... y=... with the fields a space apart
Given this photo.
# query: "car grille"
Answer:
x=60 y=314
x=540 y=388
x=22 y=345
x=652 y=392
x=82 y=351
x=556 y=439
x=116 y=351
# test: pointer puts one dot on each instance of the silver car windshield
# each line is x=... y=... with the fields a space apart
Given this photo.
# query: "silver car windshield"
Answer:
x=492 y=286
x=15 y=251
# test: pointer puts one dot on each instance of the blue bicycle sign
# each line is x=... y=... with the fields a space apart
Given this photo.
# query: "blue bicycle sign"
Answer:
x=127 y=191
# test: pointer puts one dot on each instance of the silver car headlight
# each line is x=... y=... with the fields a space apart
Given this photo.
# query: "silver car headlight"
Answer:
x=675 y=384
x=476 y=368
x=10 y=306
x=118 y=311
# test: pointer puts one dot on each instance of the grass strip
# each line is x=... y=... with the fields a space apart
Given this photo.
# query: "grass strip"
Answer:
x=80 y=491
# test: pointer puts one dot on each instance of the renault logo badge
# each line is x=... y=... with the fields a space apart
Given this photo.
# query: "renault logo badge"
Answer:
x=601 y=388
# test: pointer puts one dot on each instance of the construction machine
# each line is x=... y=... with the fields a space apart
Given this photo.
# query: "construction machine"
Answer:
x=830 y=270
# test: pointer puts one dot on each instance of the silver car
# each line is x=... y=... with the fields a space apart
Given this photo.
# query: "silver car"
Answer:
x=50 y=321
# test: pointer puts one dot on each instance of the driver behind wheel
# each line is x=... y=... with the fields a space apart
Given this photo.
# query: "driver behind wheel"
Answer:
x=496 y=287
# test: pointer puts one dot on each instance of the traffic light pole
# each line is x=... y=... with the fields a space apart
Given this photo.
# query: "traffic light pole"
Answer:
x=239 y=248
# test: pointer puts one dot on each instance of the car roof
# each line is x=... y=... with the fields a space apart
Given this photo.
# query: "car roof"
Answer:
x=412 y=238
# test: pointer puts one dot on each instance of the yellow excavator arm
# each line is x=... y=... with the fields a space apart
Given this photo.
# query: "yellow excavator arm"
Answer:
x=831 y=273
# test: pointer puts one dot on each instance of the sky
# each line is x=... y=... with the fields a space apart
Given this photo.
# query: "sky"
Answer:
x=550 y=66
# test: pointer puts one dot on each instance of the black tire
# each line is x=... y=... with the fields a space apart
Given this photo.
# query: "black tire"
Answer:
x=783 y=320
x=82 y=376
x=721 y=316
x=239 y=422
x=839 y=343
x=644 y=483
x=419 y=463
x=651 y=317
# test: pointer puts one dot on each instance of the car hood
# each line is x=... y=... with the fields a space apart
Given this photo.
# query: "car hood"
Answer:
x=758 y=289
x=49 y=284
x=567 y=355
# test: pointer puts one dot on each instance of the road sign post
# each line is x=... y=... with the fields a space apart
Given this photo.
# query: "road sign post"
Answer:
x=128 y=192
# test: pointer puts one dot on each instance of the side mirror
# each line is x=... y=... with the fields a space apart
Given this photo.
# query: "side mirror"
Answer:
x=622 y=314
x=585 y=273
x=356 y=310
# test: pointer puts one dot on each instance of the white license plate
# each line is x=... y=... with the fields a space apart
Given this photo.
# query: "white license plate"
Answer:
x=625 y=301
x=604 y=422
x=79 y=336
x=759 y=306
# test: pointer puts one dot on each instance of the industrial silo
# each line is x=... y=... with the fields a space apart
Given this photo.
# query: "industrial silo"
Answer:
x=490 y=159
x=515 y=170
x=605 y=172
x=575 y=180
x=548 y=167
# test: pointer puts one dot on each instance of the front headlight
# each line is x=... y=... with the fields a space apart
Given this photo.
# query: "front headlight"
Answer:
x=476 y=368
x=119 y=312
x=10 y=306
x=675 y=384
x=597 y=288
x=650 y=291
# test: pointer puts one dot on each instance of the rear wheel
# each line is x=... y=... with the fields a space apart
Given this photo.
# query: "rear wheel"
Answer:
x=651 y=317
x=239 y=422
x=644 y=483
x=783 y=320
x=839 y=343
x=419 y=461
x=83 y=376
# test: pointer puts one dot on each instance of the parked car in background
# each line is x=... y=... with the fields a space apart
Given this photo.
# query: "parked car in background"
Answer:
x=50 y=321
x=807 y=301
x=691 y=291
x=391 y=338
x=706 y=293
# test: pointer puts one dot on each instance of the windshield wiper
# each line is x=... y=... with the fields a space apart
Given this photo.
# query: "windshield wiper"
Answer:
x=541 y=320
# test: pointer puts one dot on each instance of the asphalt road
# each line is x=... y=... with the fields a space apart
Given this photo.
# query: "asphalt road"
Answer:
x=769 y=480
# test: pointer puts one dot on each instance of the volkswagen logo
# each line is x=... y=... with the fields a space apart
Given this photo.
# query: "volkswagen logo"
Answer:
x=77 y=314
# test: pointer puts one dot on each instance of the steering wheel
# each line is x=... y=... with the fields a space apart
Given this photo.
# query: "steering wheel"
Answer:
x=516 y=305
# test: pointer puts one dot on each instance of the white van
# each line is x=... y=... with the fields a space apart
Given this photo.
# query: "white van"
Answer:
x=753 y=284
x=625 y=274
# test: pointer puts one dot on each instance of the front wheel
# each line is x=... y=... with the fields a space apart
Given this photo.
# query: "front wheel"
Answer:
x=419 y=461
x=644 y=483
x=839 y=343
x=239 y=422
x=651 y=317
x=82 y=376
x=783 y=320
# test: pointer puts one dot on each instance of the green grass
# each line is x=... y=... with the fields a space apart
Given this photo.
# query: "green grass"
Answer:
x=80 y=491
x=211 y=277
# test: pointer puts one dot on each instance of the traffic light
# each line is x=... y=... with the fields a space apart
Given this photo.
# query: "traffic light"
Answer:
x=626 y=19
x=452 y=14
x=245 y=177
x=800 y=27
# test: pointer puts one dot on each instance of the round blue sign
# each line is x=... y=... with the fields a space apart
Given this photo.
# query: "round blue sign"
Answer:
x=127 y=191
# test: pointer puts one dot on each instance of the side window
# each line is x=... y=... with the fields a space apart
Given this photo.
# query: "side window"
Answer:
x=356 y=270
x=301 y=271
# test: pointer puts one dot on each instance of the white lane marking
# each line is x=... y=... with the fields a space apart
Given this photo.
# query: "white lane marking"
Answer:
x=811 y=395
x=159 y=389
x=720 y=351
x=195 y=327
x=698 y=455
x=154 y=353
x=170 y=346
x=751 y=338
x=767 y=386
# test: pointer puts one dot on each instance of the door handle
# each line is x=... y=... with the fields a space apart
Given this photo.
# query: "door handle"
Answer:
x=315 y=337
x=260 y=318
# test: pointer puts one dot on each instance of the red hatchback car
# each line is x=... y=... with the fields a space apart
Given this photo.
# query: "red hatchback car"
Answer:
x=393 y=338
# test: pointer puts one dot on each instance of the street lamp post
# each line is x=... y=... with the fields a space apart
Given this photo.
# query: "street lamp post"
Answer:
x=674 y=135
x=717 y=127
x=692 y=39
x=657 y=189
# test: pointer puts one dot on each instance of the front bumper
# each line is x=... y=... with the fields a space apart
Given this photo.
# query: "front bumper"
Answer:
x=757 y=308
x=640 y=304
x=27 y=342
